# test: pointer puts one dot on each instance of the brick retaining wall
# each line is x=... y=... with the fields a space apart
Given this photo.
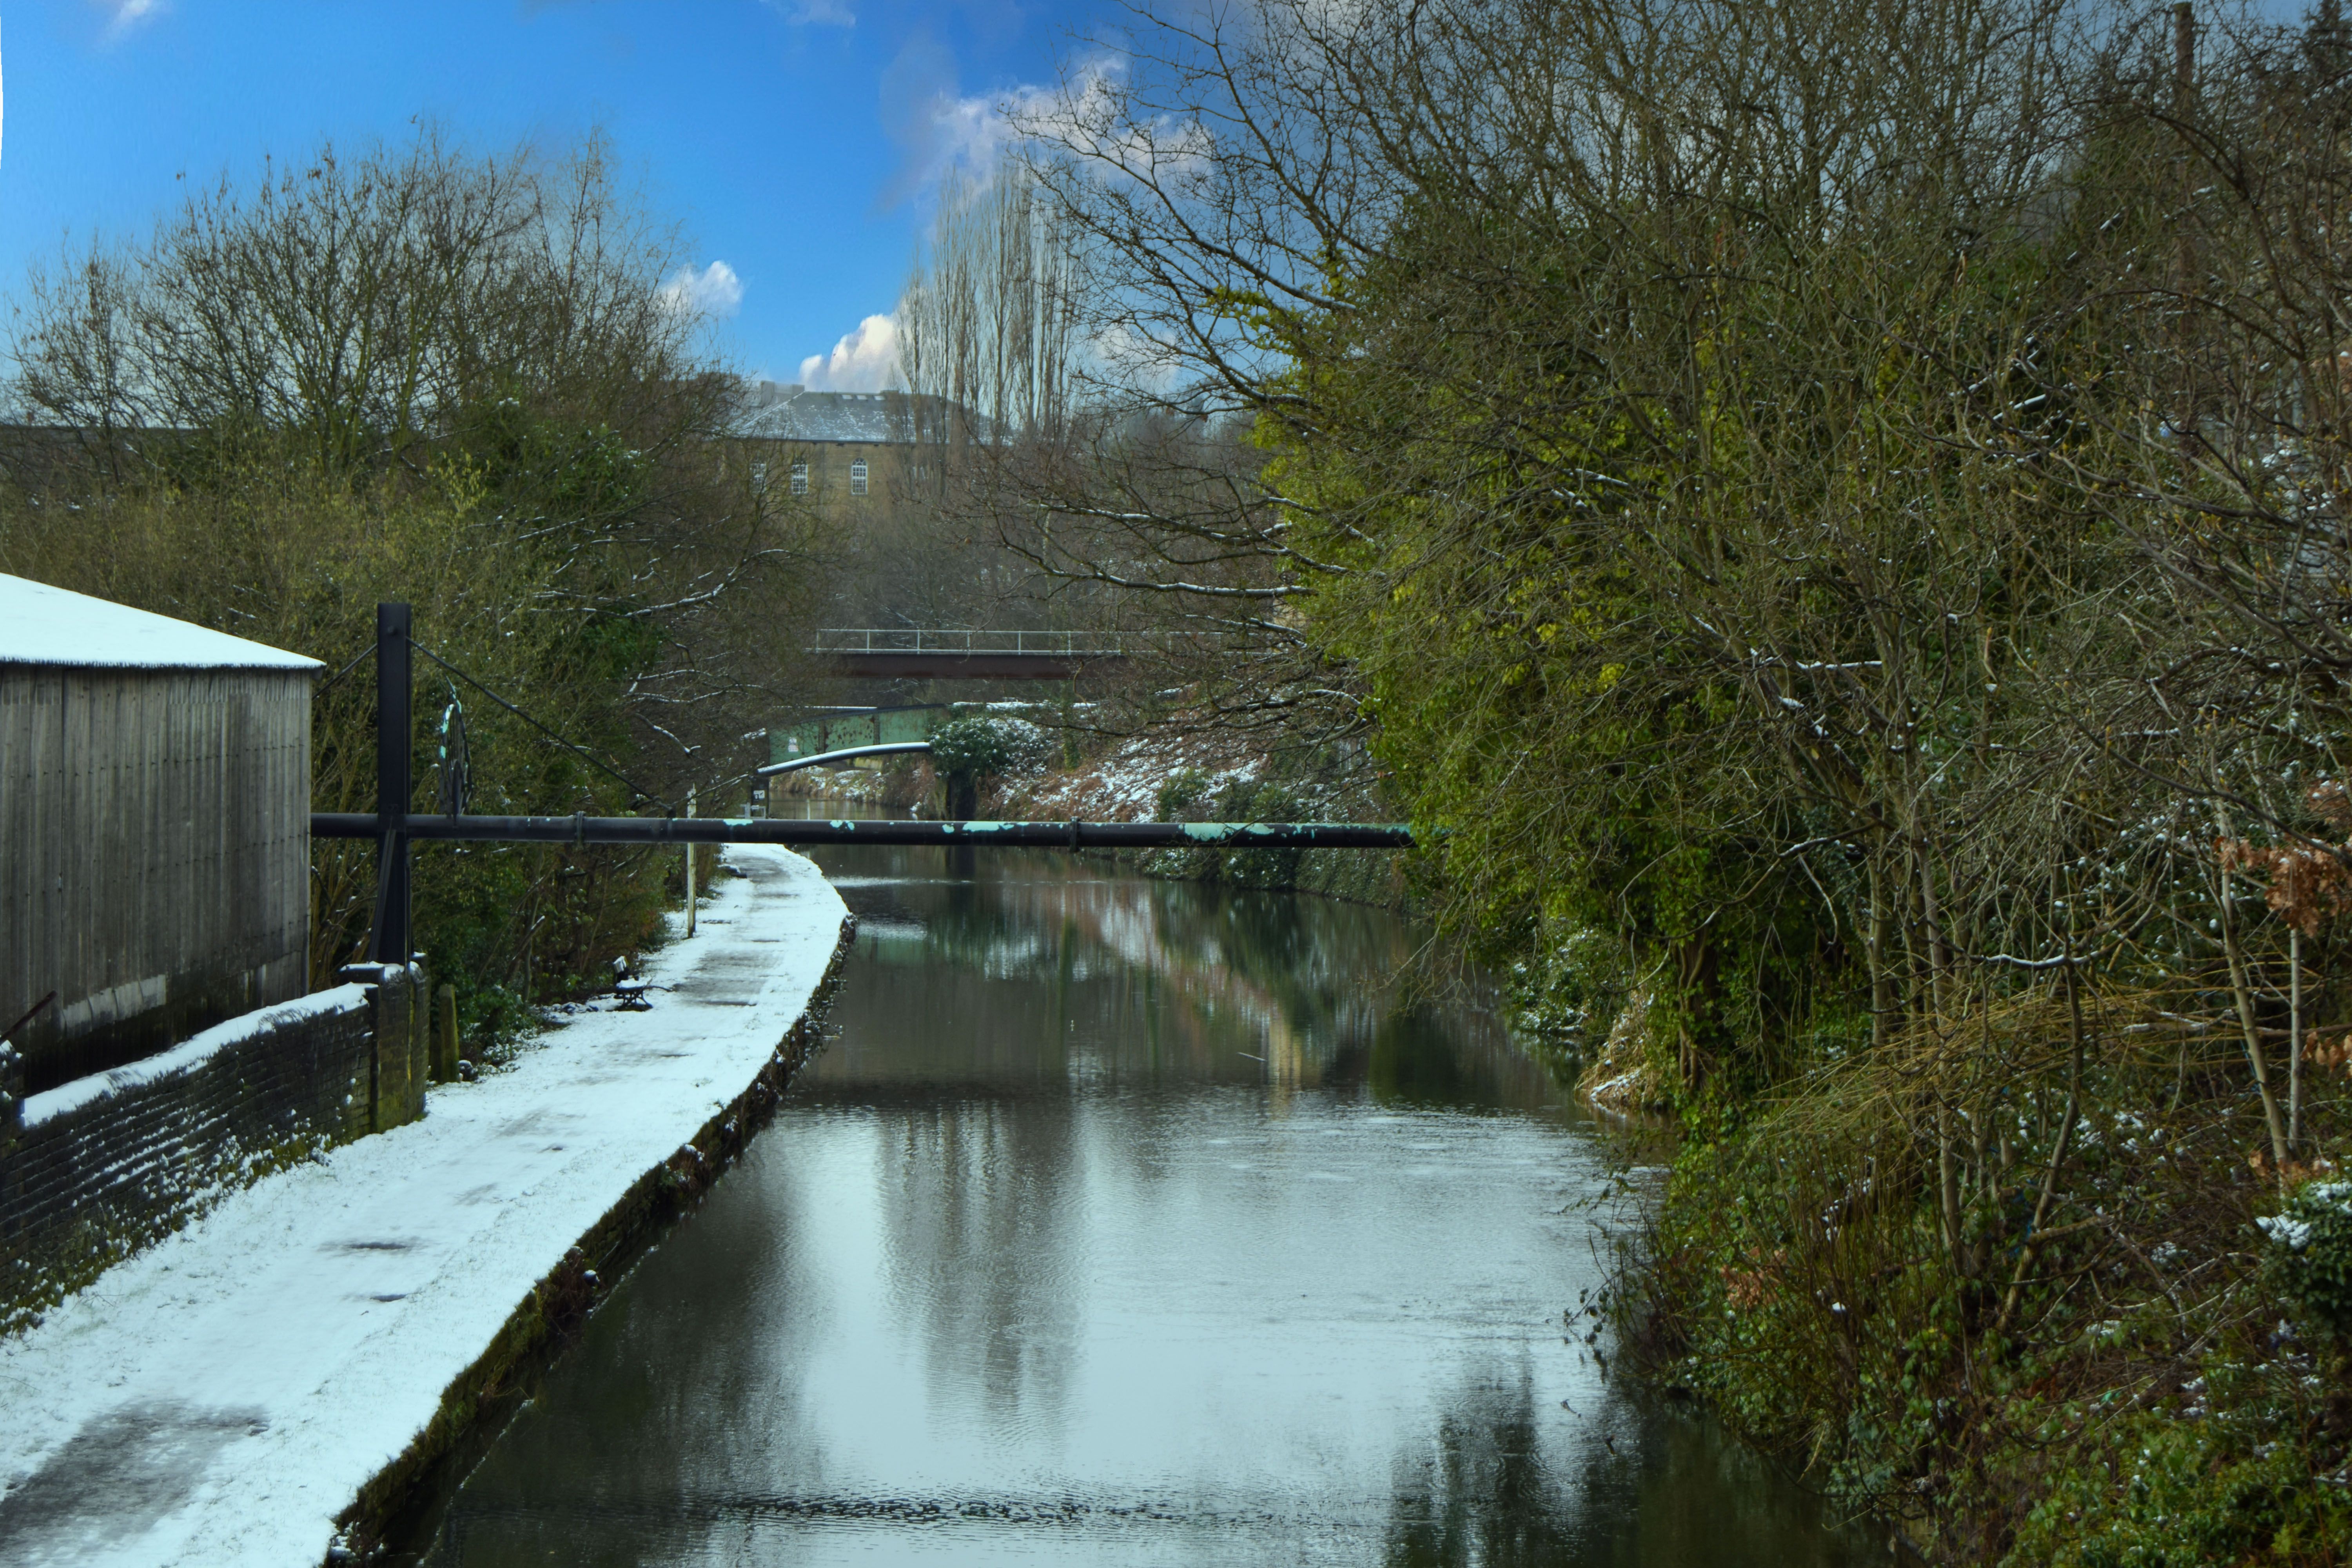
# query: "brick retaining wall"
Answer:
x=96 y=1169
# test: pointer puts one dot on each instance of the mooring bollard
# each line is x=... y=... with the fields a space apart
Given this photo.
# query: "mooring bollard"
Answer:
x=444 y=1035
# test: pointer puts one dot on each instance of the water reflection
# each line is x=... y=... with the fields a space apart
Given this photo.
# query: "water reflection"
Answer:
x=1246 y=987
x=1125 y=1222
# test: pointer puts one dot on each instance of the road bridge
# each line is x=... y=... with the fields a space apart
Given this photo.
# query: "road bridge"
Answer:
x=925 y=652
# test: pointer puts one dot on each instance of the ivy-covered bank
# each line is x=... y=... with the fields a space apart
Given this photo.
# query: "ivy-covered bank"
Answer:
x=2155 y=1372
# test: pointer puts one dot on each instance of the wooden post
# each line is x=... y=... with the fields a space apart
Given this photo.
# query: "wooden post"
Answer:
x=689 y=866
x=420 y=1035
x=444 y=1035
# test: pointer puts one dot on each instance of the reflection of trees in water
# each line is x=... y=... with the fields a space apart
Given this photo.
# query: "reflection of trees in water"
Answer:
x=1308 y=984
x=1677 y=1492
x=1425 y=1055
x=1665 y=1491
x=976 y=1194
x=1483 y=1493
x=971 y=1093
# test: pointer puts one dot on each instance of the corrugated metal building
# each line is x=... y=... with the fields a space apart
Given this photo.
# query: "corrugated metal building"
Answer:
x=154 y=828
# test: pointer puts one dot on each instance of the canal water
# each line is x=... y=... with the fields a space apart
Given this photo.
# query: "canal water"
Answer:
x=1127 y=1223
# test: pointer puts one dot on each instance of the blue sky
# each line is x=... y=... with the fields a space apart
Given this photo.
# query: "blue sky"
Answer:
x=794 y=141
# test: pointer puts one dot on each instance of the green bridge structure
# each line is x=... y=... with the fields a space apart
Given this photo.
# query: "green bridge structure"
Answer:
x=820 y=730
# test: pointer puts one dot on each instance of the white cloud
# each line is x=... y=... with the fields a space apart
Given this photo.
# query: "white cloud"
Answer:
x=816 y=13
x=122 y=15
x=713 y=291
x=945 y=134
x=864 y=359
x=1090 y=115
x=969 y=135
x=1136 y=359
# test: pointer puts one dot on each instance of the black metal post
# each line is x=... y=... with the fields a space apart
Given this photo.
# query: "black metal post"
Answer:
x=388 y=943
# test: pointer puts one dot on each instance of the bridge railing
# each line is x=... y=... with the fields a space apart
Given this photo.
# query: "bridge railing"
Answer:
x=951 y=641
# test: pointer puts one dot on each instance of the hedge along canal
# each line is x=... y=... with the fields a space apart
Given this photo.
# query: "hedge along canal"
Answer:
x=1127 y=1221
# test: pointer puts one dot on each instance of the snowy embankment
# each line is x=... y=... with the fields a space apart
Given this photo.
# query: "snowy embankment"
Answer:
x=225 y=1397
x=1124 y=784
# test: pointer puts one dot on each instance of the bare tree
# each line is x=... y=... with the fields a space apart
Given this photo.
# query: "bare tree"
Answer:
x=988 y=321
x=353 y=305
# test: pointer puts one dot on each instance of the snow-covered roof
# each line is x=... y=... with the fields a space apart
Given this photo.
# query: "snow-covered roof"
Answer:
x=774 y=413
x=41 y=624
x=768 y=411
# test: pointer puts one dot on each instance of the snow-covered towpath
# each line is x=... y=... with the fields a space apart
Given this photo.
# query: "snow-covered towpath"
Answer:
x=222 y=1397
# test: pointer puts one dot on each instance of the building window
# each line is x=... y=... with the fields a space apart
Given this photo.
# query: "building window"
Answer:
x=800 y=478
x=759 y=477
x=857 y=477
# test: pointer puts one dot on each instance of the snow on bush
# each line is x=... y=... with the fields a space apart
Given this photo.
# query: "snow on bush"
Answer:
x=984 y=747
x=2310 y=1249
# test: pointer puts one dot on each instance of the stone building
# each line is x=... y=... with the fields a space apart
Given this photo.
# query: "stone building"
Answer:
x=848 y=453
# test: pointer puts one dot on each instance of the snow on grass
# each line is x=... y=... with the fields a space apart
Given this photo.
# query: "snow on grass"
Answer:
x=222 y=1397
x=1124 y=784
x=866 y=786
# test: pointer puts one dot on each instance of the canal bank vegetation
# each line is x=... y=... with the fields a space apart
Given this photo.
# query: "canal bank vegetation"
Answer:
x=1832 y=517
x=1171 y=762
x=466 y=380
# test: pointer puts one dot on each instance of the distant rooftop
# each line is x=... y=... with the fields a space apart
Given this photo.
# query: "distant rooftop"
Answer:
x=775 y=411
x=41 y=624
x=787 y=411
